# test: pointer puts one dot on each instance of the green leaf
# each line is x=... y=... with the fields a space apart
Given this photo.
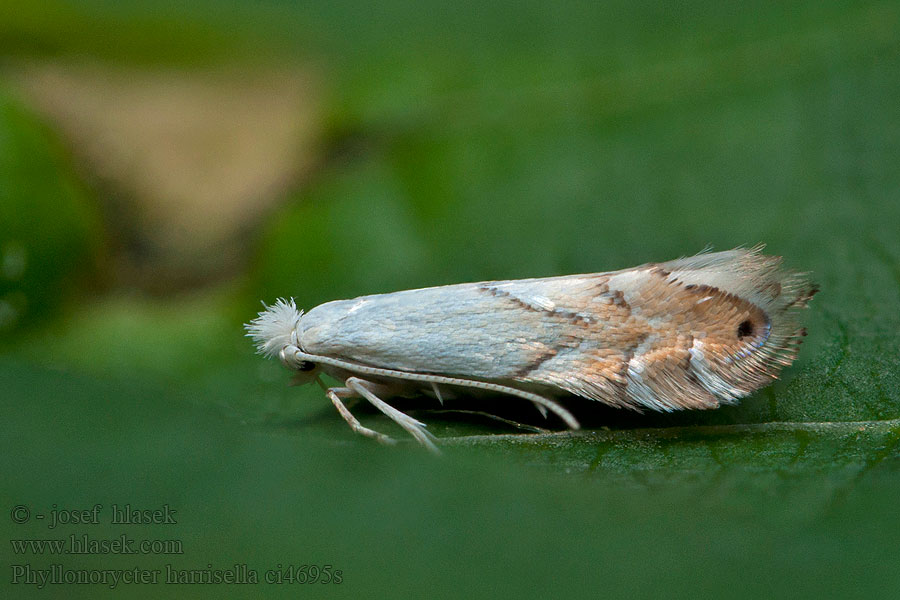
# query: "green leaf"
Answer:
x=730 y=511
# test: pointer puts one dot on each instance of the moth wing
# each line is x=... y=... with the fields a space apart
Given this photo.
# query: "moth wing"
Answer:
x=601 y=329
x=624 y=338
x=477 y=330
x=642 y=352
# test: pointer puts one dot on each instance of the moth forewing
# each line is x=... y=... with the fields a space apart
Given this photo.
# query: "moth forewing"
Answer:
x=695 y=332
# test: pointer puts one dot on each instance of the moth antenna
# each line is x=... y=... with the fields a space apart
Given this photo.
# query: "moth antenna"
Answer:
x=275 y=327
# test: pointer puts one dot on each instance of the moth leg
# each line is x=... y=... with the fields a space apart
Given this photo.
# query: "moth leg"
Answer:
x=414 y=427
x=437 y=393
x=335 y=394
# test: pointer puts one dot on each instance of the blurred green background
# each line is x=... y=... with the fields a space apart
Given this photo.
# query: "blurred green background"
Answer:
x=163 y=168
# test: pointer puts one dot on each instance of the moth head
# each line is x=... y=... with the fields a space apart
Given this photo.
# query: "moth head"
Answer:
x=275 y=331
x=275 y=328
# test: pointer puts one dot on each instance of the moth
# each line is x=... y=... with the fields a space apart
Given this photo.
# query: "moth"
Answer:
x=691 y=333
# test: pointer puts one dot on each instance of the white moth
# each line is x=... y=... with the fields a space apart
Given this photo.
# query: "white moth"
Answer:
x=694 y=332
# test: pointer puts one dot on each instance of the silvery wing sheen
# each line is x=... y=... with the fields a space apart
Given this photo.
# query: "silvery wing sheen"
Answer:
x=695 y=332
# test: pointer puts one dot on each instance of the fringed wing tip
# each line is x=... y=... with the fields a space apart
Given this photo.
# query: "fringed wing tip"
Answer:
x=273 y=328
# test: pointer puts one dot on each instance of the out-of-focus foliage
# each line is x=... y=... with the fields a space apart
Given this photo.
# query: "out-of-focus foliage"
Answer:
x=50 y=233
x=468 y=142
